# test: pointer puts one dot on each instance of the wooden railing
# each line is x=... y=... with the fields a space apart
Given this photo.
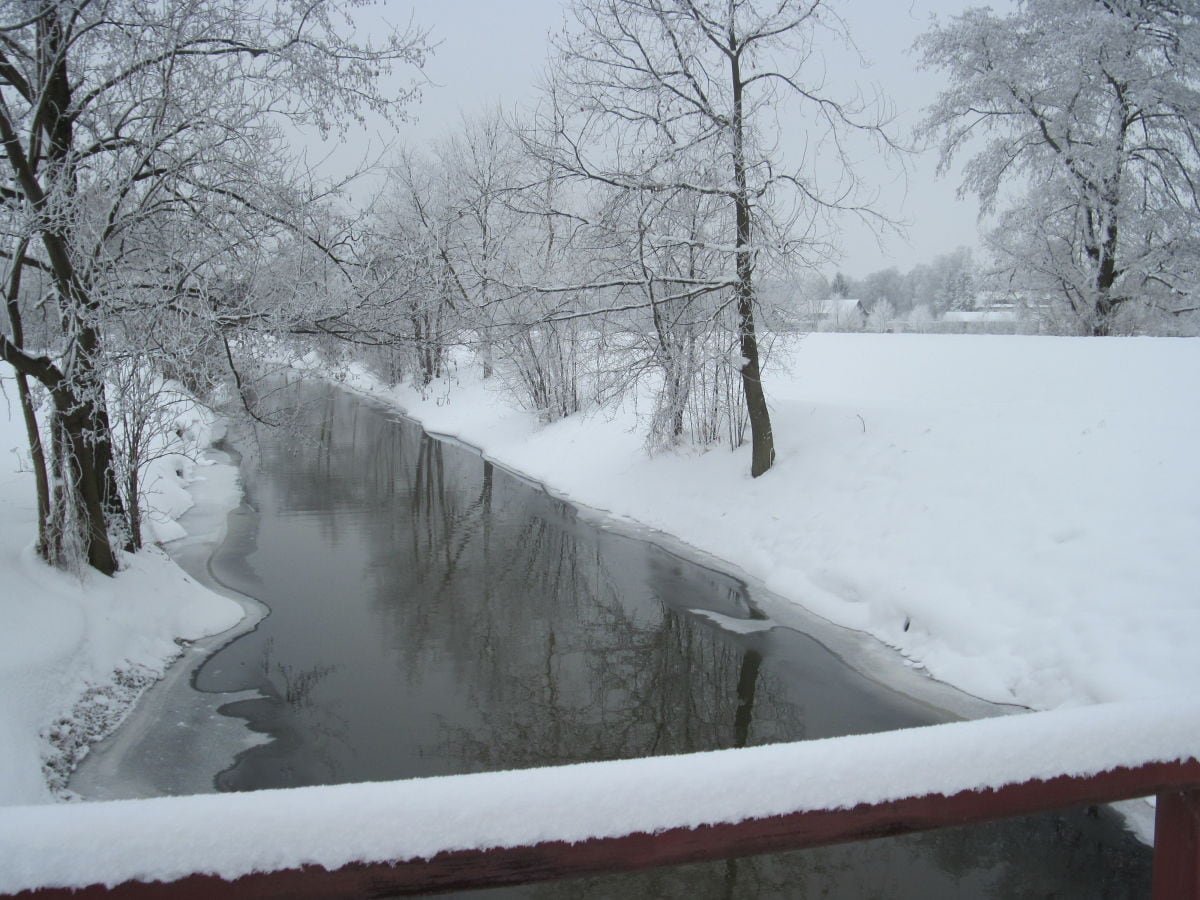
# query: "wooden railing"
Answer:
x=509 y=828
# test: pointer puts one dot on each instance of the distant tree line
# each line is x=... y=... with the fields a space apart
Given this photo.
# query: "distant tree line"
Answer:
x=643 y=226
x=951 y=281
x=621 y=232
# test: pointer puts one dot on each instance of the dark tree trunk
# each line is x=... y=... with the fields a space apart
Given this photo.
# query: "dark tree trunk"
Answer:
x=80 y=422
x=77 y=463
x=762 y=441
x=1106 y=279
x=98 y=433
x=37 y=455
x=77 y=492
x=135 y=512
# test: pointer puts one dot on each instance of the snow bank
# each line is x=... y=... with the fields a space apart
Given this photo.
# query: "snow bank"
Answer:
x=75 y=650
x=168 y=838
x=1019 y=515
x=188 y=428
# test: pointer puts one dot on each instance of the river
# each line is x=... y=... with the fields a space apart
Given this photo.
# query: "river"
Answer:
x=433 y=614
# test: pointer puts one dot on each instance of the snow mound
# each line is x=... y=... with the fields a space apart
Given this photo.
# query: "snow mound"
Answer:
x=76 y=650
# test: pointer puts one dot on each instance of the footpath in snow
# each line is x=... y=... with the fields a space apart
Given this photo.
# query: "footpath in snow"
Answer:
x=77 y=649
x=1018 y=515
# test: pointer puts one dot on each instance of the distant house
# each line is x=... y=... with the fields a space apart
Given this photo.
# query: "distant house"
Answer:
x=847 y=314
x=835 y=314
x=993 y=299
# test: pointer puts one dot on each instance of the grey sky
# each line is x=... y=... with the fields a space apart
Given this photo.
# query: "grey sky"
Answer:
x=492 y=51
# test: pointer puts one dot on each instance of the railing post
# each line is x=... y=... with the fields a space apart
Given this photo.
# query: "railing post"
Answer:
x=1177 y=846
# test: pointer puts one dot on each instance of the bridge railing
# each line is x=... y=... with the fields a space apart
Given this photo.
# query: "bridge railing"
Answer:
x=503 y=828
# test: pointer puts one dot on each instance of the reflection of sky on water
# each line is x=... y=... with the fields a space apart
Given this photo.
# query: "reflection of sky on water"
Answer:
x=432 y=615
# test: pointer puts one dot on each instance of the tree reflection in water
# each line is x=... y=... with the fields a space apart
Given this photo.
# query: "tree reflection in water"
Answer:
x=442 y=616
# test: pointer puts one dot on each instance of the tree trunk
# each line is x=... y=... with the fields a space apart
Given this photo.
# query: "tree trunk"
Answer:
x=37 y=456
x=84 y=453
x=135 y=510
x=1106 y=279
x=77 y=466
x=98 y=429
x=762 y=441
x=488 y=357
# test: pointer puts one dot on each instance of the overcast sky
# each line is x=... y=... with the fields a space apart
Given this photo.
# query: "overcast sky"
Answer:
x=492 y=51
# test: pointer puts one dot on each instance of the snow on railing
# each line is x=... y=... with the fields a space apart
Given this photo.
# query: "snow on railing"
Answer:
x=513 y=827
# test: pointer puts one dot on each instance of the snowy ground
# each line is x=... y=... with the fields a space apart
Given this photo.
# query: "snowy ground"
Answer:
x=1018 y=515
x=77 y=649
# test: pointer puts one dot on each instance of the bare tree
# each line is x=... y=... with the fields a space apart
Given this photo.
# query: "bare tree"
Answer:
x=124 y=125
x=679 y=97
x=413 y=277
x=1093 y=104
x=482 y=167
x=146 y=427
x=661 y=246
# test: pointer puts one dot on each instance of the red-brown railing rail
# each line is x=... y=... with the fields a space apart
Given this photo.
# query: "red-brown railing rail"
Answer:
x=432 y=834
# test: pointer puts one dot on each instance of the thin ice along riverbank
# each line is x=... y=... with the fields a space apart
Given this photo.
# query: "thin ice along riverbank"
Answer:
x=176 y=738
x=432 y=615
x=76 y=648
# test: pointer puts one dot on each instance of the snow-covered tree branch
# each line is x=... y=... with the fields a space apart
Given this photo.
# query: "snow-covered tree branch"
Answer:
x=143 y=168
x=1093 y=107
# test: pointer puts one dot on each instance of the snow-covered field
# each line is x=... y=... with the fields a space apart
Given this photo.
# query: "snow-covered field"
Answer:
x=77 y=649
x=1018 y=515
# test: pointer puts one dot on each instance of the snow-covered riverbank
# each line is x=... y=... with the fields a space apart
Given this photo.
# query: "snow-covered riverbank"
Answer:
x=1019 y=515
x=1016 y=515
x=77 y=650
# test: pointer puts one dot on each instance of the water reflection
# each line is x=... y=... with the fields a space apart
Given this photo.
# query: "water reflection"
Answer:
x=432 y=615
